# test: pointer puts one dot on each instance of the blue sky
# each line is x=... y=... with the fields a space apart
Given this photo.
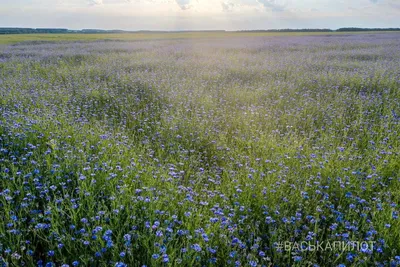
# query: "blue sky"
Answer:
x=199 y=14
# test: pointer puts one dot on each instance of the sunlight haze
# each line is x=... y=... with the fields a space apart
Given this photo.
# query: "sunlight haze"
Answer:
x=198 y=14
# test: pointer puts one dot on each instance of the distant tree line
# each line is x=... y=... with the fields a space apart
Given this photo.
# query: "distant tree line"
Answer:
x=291 y=30
x=349 y=29
x=366 y=29
x=55 y=30
x=31 y=30
x=51 y=30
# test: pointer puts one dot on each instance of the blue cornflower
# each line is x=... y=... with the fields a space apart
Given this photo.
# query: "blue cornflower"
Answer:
x=159 y=233
x=127 y=237
x=196 y=247
x=212 y=251
x=395 y=215
x=297 y=258
x=350 y=257
x=108 y=232
x=253 y=263
x=165 y=258
x=109 y=244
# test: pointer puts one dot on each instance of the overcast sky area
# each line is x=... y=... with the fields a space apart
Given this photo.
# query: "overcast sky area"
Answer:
x=199 y=14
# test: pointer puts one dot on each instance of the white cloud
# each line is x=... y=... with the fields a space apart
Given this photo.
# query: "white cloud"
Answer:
x=198 y=14
x=95 y=2
x=184 y=4
x=227 y=6
x=274 y=5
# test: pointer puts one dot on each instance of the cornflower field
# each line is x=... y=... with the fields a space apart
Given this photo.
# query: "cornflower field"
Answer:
x=201 y=152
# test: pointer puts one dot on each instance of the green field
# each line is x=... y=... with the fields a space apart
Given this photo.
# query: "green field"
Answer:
x=15 y=38
x=187 y=149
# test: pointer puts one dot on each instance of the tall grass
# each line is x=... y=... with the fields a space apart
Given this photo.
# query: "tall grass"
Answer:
x=200 y=153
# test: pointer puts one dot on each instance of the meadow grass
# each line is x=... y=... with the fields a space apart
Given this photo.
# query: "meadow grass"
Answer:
x=200 y=152
x=79 y=37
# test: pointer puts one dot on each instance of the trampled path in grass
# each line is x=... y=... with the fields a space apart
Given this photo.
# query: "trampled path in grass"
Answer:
x=201 y=152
